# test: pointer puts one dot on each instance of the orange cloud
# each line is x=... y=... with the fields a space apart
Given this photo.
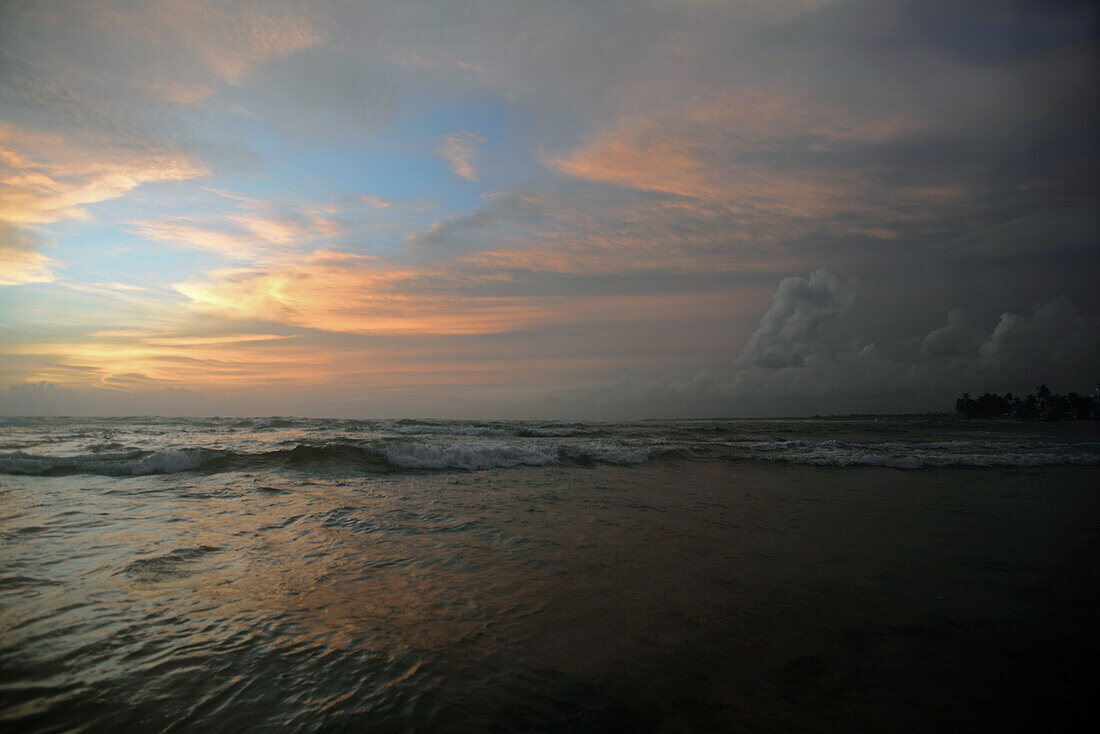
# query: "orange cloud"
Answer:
x=135 y=361
x=460 y=150
x=20 y=262
x=21 y=267
x=587 y=230
x=248 y=235
x=115 y=360
x=337 y=292
x=718 y=151
x=330 y=296
x=44 y=178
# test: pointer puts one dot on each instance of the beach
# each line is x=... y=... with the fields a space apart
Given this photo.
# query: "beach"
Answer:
x=890 y=574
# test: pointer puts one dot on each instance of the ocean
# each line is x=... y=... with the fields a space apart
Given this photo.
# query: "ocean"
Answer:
x=876 y=574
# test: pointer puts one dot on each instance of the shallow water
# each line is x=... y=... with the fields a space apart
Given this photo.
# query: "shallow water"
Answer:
x=170 y=574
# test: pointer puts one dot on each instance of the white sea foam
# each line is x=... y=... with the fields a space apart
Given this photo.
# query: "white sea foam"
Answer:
x=18 y=462
x=168 y=461
x=617 y=454
x=125 y=447
x=488 y=431
x=551 y=431
x=164 y=461
x=410 y=455
x=431 y=429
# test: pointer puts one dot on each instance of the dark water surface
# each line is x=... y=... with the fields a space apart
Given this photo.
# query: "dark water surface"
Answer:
x=227 y=575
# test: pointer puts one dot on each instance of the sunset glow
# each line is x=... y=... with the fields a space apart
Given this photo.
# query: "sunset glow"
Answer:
x=549 y=365
x=554 y=209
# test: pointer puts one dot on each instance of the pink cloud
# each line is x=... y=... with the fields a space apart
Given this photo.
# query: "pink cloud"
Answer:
x=461 y=150
x=45 y=178
x=720 y=151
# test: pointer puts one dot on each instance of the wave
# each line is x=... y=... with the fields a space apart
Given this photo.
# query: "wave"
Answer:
x=469 y=447
x=473 y=429
x=375 y=457
x=554 y=431
x=264 y=424
x=134 y=463
x=439 y=456
x=430 y=429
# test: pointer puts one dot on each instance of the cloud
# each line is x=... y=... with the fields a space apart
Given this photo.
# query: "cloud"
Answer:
x=770 y=160
x=941 y=155
x=22 y=263
x=571 y=227
x=461 y=150
x=958 y=338
x=1073 y=228
x=790 y=330
x=140 y=360
x=345 y=293
x=244 y=236
x=800 y=361
x=46 y=177
x=262 y=231
x=1054 y=338
x=128 y=395
x=184 y=45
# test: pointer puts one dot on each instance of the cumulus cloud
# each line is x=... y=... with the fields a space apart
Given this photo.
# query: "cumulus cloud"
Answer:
x=461 y=150
x=958 y=338
x=1055 y=338
x=790 y=331
x=799 y=361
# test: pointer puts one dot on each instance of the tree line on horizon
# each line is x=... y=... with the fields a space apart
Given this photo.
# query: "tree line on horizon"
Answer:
x=1044 y=406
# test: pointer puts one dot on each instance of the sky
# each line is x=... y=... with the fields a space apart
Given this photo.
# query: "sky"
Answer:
x=564 y=210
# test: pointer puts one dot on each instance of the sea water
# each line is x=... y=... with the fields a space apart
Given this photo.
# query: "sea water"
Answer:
x=884 y=574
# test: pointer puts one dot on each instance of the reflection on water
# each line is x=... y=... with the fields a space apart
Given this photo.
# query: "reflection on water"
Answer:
x=672 y=595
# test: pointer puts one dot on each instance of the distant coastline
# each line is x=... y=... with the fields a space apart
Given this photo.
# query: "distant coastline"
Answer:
x=1043 y=406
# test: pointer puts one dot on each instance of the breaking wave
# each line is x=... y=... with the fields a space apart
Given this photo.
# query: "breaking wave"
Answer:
x=473 y=429
x=377 y=457
x=165 y=461
x=380 y=447
x=438 y=456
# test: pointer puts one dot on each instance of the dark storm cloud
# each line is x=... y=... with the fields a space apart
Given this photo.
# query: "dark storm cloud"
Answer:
x=799 y=362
